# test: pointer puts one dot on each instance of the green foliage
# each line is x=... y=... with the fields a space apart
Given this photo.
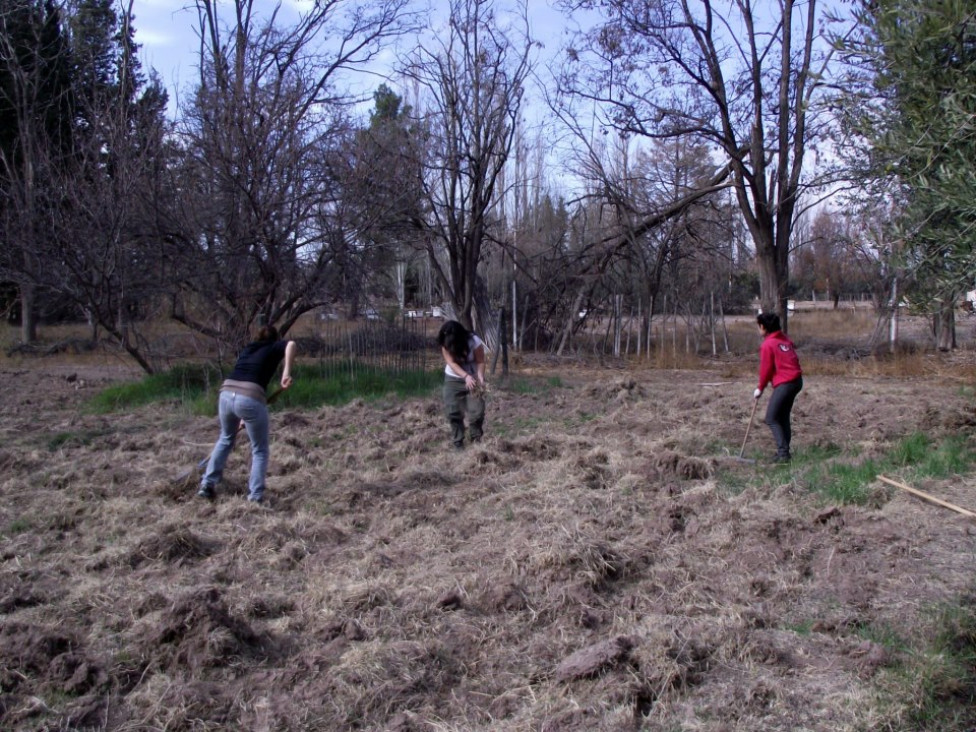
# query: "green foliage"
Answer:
x=39 y=56
x=951 y=456
x=527 y=385
x=916 y=105
x=884 y=635
x=744 y=287
x=522 y=386
x=843 y=482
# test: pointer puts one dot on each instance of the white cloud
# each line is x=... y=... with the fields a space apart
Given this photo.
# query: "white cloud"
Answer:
x=154 y=38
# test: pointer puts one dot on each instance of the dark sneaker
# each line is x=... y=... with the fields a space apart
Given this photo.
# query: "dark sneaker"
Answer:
x=781 y=459
x=261 y=501
x=459 y=446
x=206 y=491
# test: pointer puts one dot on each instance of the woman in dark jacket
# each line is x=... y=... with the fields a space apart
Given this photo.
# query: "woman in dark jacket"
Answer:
x=243 y=397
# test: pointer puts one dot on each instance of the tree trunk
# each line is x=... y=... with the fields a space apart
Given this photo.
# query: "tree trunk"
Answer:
x=28 y=316
x=945 y=328
x=773 y=279
x=893 y=325
x=768 y=283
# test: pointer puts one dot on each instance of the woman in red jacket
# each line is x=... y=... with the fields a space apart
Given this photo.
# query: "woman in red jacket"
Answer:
x=779 y=366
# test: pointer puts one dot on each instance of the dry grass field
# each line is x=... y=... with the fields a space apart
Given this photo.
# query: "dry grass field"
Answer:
x=600 y=562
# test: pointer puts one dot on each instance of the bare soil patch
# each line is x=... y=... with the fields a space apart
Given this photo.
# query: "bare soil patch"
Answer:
x=597 y=563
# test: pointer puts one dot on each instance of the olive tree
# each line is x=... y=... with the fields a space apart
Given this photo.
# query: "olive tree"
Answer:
x=910 y=104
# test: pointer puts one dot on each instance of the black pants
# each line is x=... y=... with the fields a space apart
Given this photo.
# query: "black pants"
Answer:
x=778 y=415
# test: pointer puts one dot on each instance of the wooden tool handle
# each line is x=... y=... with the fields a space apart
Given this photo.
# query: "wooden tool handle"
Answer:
x=927 y=497
x=752 y=418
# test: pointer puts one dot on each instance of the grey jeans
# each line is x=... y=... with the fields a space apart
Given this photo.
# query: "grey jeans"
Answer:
x=232 y=409
x=459 y=404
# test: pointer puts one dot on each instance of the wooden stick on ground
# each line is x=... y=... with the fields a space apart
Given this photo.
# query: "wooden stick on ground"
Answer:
x=927 y=496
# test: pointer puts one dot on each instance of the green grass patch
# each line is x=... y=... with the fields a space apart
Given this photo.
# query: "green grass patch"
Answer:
x=884 y=635
x=803 y=628
x=526 y=385
x=842 y=482
x=195 y=388
x=517 y=426
x=313 y=387
x=521 y=385
x=951 y=456
x=913 y=457
x=186 y=385
x=17 y=526
x=734 y=482
x=845 y=477
x=933 y=684
x=73 y=439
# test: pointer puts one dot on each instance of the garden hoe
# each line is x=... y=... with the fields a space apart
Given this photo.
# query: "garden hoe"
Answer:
x=752 y=418
x=200 y=466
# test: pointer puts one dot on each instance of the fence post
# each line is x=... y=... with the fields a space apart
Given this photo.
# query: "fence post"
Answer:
x=504 y=344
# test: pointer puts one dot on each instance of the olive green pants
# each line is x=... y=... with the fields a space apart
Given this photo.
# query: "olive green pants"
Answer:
x=459 y=404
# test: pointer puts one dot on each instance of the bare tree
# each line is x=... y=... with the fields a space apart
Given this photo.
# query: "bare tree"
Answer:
x=473 y=79
x=261 y=221
x=103 y=254
x=743 y=82
x=36 y=112
x=631 y=216
x=78 y=188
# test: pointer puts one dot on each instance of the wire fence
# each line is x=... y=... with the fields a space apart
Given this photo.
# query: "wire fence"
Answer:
x=371 y=346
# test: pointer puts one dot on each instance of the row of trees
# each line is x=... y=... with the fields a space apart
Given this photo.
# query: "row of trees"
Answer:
x=690 y=135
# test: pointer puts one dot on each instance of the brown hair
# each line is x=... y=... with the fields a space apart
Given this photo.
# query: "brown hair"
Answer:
x=454 y=337
x=268 y=333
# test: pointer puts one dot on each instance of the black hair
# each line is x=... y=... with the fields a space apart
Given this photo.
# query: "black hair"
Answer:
x=769 y=321
x=454 y=338
x=267 y=333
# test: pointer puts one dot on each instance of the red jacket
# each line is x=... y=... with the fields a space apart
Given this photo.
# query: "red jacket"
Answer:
x=778 y=362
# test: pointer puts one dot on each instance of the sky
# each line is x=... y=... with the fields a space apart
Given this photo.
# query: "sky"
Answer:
x=166 y=31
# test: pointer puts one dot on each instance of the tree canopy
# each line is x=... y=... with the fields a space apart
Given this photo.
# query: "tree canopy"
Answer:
x=911 y=96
